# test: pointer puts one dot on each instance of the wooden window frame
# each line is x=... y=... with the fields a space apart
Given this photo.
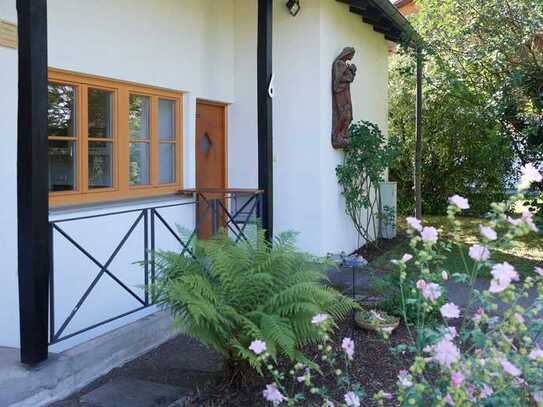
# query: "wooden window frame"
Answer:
x=120 y=140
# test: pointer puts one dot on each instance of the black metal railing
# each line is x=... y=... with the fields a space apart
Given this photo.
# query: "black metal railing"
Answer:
x=233 y=211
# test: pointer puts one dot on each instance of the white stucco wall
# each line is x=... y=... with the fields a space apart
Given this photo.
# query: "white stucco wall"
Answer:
x=206 y=48
x=340 y=28
x=307 y=196
x=9 y=306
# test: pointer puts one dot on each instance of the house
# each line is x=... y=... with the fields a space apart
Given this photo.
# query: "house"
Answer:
x=125 y=103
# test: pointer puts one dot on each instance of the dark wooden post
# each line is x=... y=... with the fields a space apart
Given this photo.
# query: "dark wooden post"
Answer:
x=32 y=181
x=265 y=113
x=418 y=141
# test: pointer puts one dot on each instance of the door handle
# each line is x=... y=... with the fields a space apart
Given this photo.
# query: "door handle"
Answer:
x=206 y=143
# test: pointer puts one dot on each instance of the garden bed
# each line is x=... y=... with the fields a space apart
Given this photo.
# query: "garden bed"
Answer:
x=373 y=250
x=374 y=366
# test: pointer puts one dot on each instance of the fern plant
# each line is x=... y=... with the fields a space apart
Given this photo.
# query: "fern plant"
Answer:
x=230 y=294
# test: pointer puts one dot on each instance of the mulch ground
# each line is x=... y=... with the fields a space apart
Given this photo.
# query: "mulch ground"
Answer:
x=375 y=367
x=372 y=250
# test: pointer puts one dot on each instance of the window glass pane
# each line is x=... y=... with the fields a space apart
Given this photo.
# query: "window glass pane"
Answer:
x=100 y=164
x=62 y=165
x=138 y=116
x=166 y=163
x=166 y=119
x=139 y=164
x=61 y=112
x=100 y=113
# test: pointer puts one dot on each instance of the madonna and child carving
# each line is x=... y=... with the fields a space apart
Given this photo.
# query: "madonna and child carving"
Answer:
x=343 y=74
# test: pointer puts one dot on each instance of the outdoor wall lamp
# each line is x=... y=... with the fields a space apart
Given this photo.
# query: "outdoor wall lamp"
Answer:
x=293 y=7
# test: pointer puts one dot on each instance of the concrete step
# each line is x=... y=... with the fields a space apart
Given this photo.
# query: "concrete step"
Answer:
x=68 y=371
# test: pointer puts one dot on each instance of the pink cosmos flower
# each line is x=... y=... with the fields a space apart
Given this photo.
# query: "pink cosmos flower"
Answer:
x=404 y=379
x=450 y=311
x=503 y=274
x=460 y=202
x=348 y=347
x=352 y=400
x=273 y=395
x=536 y=354
x=530 y=174
x=258 y=347
x=444 y=275
x=510 y=368
x=446 y=352
x=414 y=223
x=449 y=400
x=430 y=291
x=488 y=232
x=429 y=234
x=457 y=379
x=319 y=319
x=539 y=271
x=513 y=221
x=486 y=391
x=406 y=257
x=479 y=253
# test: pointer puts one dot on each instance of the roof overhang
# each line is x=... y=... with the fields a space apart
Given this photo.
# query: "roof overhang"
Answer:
x=384 y=17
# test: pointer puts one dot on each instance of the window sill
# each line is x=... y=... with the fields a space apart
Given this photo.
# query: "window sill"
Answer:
x=129 y=203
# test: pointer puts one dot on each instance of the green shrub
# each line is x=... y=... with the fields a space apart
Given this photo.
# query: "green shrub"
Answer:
x=233 y=293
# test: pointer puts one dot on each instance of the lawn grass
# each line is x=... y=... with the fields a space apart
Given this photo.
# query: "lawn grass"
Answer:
x=524 y=255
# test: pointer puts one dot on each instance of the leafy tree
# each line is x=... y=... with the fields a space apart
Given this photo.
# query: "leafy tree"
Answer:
x=483 y=99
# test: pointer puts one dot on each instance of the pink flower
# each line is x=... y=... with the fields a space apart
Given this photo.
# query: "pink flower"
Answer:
x=404 y=379
x=328 y=403
x=536 y=354
x=479 y=253
x=306 y=376
x=519 y=317
x=538 y=396
x=444 y=275
x=429 y=234
x=257 y=347
x=457 y=379
x=451 y=333
x=528 y=218
x=450 y=311
x=503 y=274
x=488 y=232
x=530 y=174
x=460 y=202
x=414 y=223
x=406 y=257
x=387 y=396
x=510 y=368
x=430 y=291
x=478 y=315
x=421 y=284
x=319 y=319
x=348 y=347
x=486 y=391
x=449 y=400
x=446 y=353
x=273 y=395
x=352 y=400
x=539 y=271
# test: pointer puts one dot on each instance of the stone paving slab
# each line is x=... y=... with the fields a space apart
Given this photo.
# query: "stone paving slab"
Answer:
x=124 y=392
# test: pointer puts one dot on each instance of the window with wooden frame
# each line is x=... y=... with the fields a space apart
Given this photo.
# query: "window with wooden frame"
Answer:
x=111 y=140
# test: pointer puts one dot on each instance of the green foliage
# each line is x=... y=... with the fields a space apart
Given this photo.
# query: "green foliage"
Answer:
x=483 y=99
x=233 y=293
x=367 y=156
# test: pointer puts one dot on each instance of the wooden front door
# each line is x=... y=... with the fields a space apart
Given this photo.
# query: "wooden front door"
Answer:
x=210 y=157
